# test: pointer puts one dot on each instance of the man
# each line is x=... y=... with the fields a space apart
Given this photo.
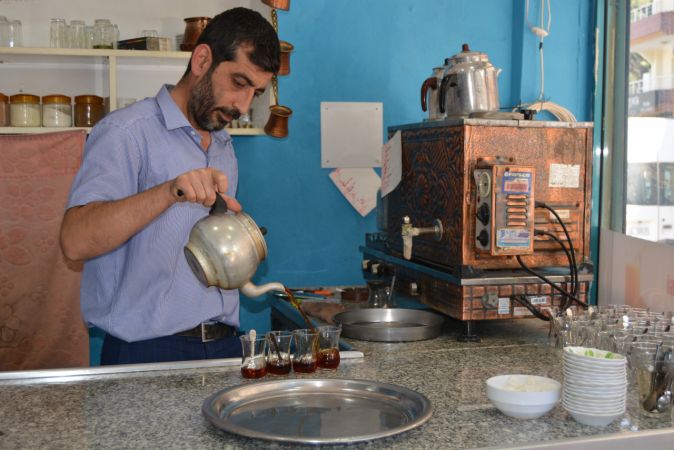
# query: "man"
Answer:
x=149 y=172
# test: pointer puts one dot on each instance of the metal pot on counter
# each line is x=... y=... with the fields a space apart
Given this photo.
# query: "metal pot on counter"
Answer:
x=224 y=250
x=469 y=85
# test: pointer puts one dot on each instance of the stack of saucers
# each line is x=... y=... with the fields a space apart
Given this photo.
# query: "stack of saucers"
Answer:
x=595 y=385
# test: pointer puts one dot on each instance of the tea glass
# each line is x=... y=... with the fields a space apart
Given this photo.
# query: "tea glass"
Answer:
x=305 y=356
x=253 y=361
x=649 y=371
x=328 y=353
x=278 y=352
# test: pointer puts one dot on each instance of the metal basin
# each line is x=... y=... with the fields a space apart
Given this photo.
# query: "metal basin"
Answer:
x=389 y=324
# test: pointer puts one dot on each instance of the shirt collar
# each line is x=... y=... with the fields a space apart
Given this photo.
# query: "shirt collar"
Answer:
x=174 y=117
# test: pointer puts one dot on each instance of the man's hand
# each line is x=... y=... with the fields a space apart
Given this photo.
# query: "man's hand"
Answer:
x=201 y=186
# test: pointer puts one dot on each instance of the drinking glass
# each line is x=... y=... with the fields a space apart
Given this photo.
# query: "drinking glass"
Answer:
x=57 y=33
x=253 y=361
x=278 y=352
x=4 y=32
x=328 y=343
x=306 y=351
x=15 y=35
x=77 y=36
x=149 y=33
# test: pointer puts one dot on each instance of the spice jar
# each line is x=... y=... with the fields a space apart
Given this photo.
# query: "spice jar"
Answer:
x=24 y=110
x=89 y=109
x=56 y=111
x=4 y=110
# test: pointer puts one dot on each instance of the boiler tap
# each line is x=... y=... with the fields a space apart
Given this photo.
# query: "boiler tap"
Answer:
x=409 y=231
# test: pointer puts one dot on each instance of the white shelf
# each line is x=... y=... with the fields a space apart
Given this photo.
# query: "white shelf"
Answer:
x=35 y=130
x=109 y=73
x=45 y=51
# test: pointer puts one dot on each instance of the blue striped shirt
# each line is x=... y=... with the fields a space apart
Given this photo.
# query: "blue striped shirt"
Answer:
x=144 y=288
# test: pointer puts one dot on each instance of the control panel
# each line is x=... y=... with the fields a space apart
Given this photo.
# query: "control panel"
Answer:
x=504 y=209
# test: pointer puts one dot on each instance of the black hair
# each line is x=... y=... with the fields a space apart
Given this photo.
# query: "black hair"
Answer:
x=237 y=27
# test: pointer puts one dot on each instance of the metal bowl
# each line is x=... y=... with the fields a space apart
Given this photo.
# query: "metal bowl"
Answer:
x=389 y=324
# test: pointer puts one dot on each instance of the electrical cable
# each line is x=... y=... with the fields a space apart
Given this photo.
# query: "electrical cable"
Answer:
x=522 y=300
x=540 y=204
x=553 y=285
x=573 y=269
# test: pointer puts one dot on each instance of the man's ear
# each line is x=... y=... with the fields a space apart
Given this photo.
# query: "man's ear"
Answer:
x=201 y=59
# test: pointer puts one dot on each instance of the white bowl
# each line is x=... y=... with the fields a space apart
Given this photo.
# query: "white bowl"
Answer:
x=594 y=420
x=506 y=392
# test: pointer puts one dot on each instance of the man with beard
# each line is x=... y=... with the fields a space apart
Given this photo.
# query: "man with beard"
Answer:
x=148 y=173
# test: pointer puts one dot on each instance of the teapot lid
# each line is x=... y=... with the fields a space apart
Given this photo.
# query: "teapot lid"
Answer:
x=466 y=55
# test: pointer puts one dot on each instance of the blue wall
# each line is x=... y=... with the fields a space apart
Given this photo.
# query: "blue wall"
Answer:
x=382 y=50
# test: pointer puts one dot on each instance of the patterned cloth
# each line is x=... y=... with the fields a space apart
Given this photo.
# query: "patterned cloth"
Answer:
x=40 y=322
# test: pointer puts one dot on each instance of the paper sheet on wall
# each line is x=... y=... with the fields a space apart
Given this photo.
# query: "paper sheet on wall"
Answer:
x=359 y=186
x=391 y=162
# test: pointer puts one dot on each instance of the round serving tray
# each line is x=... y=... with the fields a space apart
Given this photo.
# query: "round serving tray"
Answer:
x=389 y=324
x=317 y=411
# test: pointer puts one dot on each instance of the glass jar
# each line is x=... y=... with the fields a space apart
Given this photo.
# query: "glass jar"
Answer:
x=104 y=34
x=24 y=110
x=89 y=109
x=56 y=111
x=4 y=110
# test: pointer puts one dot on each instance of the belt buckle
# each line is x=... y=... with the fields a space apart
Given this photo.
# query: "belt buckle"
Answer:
x=203 y=333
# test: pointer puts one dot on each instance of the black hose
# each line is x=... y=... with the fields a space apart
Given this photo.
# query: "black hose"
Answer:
x=553 y=285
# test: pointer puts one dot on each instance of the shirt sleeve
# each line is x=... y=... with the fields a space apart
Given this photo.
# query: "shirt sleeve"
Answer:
x=110 y=166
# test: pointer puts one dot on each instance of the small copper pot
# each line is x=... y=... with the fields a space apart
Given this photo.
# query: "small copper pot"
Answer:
x=278 y=4
x=286 y=48
x=277 y=125
x=193 y=28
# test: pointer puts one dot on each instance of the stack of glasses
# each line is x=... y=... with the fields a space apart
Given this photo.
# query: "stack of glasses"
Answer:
x=595 y=385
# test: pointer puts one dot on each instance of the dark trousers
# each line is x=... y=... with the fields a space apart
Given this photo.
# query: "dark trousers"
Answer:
x=165 y=349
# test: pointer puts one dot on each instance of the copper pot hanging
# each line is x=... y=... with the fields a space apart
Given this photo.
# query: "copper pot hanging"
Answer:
x=286 y=48
x=278 y=4
x=277 y=125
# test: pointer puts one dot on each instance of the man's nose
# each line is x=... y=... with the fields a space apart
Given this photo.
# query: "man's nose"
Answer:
x=245 y=100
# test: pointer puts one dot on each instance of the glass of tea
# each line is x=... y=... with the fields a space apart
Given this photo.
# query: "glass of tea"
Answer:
x=253 y=360
x=306 y=351
x=328 y=346
x=278 y=352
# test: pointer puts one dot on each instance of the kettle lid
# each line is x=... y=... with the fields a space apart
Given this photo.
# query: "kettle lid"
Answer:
x=466 y=55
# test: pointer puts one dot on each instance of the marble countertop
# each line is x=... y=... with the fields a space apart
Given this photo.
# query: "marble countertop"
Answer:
x=162 y=409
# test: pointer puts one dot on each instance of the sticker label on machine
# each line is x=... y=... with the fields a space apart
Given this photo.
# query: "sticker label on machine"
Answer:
x=516 y=183
x=512 y=237
x=564 y=175
x=503 y=305
x=539 y=300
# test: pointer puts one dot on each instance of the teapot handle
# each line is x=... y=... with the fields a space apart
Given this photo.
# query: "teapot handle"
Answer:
x=431 y=82
x=219 y=207
x=442 y=94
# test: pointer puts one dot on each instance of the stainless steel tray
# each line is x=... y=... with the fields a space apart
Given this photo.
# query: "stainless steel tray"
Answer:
x=317 y=411
x=389 y=324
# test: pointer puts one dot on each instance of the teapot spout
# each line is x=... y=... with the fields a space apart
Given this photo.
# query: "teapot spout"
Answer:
x=250 y=290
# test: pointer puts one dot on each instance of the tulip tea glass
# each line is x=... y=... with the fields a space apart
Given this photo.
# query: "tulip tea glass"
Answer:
x=278 y=352
x=328 y=353
x=306 y=351
x=253 y=361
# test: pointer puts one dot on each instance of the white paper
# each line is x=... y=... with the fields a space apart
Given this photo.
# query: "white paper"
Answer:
x=359 y=186
x=351 y=134
x=391 y=164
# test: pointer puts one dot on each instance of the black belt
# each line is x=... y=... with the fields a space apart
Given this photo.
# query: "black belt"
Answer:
x=209 y=331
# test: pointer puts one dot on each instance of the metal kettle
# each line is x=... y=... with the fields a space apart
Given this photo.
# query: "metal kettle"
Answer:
x=224 y=250
x=469 y=85
x=430 y=90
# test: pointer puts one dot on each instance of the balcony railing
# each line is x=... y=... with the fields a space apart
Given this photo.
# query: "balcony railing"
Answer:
x=651 y=84
x=650 y=9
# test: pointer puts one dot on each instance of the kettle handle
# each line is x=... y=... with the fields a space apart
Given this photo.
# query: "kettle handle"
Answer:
x=219 y=207
x=442 y=94
x=432 y=83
